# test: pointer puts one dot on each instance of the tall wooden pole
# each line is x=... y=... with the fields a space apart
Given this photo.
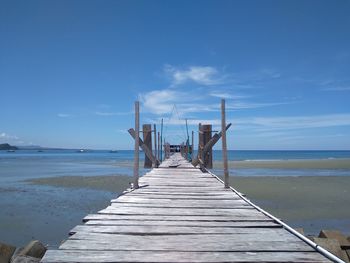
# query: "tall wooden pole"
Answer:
x=159 y=149
x=200 y=142
x=137 y=145
x=224 y=144
x=155 y=142
x=161 y=141
x=192 y=149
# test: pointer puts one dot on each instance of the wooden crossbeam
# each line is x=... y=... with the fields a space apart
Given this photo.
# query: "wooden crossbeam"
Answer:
x=145 y=149
x=210 y=145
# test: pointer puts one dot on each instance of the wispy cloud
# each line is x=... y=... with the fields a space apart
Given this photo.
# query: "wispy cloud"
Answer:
x=202 y=75
x=226 y=95
x=340 y=88
x=6 y=136
x=64 y=115
x=162 y=102
x=293 y=122
x=239 y=105
x=11 y=139
x=275 y=126
x=101 y=113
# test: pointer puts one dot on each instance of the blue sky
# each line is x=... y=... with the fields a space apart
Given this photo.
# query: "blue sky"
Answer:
x=70 y=71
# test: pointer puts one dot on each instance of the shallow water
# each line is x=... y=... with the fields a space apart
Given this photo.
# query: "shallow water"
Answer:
x=81 y=183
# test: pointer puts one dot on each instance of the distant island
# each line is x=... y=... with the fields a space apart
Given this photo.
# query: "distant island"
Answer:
x=7 y=147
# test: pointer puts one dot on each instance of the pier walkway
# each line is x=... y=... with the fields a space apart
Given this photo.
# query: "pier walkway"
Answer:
x=180 y=214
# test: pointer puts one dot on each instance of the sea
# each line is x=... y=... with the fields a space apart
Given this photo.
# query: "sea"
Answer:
x=29 y=211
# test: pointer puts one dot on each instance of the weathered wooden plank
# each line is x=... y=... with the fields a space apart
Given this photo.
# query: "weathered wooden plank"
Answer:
x=161 y=202
x=220 y=218
x=183 y=230
x=185 y=204
x=89 y=256
x=174 y=191
x=179 y=182
x=179 y=211
x=184 y=243
x=251 y=224
x=247 y=237
x=186 y=197
x=143 y=202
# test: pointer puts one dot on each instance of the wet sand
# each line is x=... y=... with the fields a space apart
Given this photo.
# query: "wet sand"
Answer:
x=311 y=202
x=289 y=164
x=114 y=184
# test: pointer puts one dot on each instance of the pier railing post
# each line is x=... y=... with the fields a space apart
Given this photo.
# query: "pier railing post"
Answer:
x=158 y=151
x=155 y=143
x=147 y=140
x=137 y=145
x=192 y=145
x=207 y=156
x=224 y=144
x=200 y=144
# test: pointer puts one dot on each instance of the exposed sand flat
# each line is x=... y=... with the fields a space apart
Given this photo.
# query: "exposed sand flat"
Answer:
x=312 y=202
x=115 y=184
x=299 y=198
x=305 y=197
x=289 y=164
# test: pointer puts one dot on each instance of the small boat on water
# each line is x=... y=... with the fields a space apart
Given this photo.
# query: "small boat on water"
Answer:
x=113 y=151
x=81 y=151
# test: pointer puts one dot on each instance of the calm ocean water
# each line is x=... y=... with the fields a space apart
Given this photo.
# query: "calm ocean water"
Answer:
x=25 y=164
x=47 y=213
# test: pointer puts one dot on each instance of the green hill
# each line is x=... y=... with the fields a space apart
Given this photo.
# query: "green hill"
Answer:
x=6 y=146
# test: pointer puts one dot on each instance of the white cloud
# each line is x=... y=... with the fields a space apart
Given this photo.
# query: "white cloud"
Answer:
x=226 y=95
x=64 y=115
x=203 y=75
x=340 y=88
x=6 y=136
x=160 y=101
x=274 y=126
x=294 y=122
x=239 y=105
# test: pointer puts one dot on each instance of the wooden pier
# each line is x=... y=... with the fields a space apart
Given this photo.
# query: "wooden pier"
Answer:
x=180 y=214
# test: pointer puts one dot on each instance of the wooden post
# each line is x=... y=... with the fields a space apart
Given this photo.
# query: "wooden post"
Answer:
x=155 y=142
x=147 y=139
x=158 y=156
x=214 y=139
x=136 y=149
x=200 y=144
x=161 y=141
x=207 y=156
x=224 y=144
x=192 y=145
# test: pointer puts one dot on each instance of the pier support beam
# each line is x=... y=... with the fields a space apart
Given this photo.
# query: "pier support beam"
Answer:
x=208 y=155
x=147 y=140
